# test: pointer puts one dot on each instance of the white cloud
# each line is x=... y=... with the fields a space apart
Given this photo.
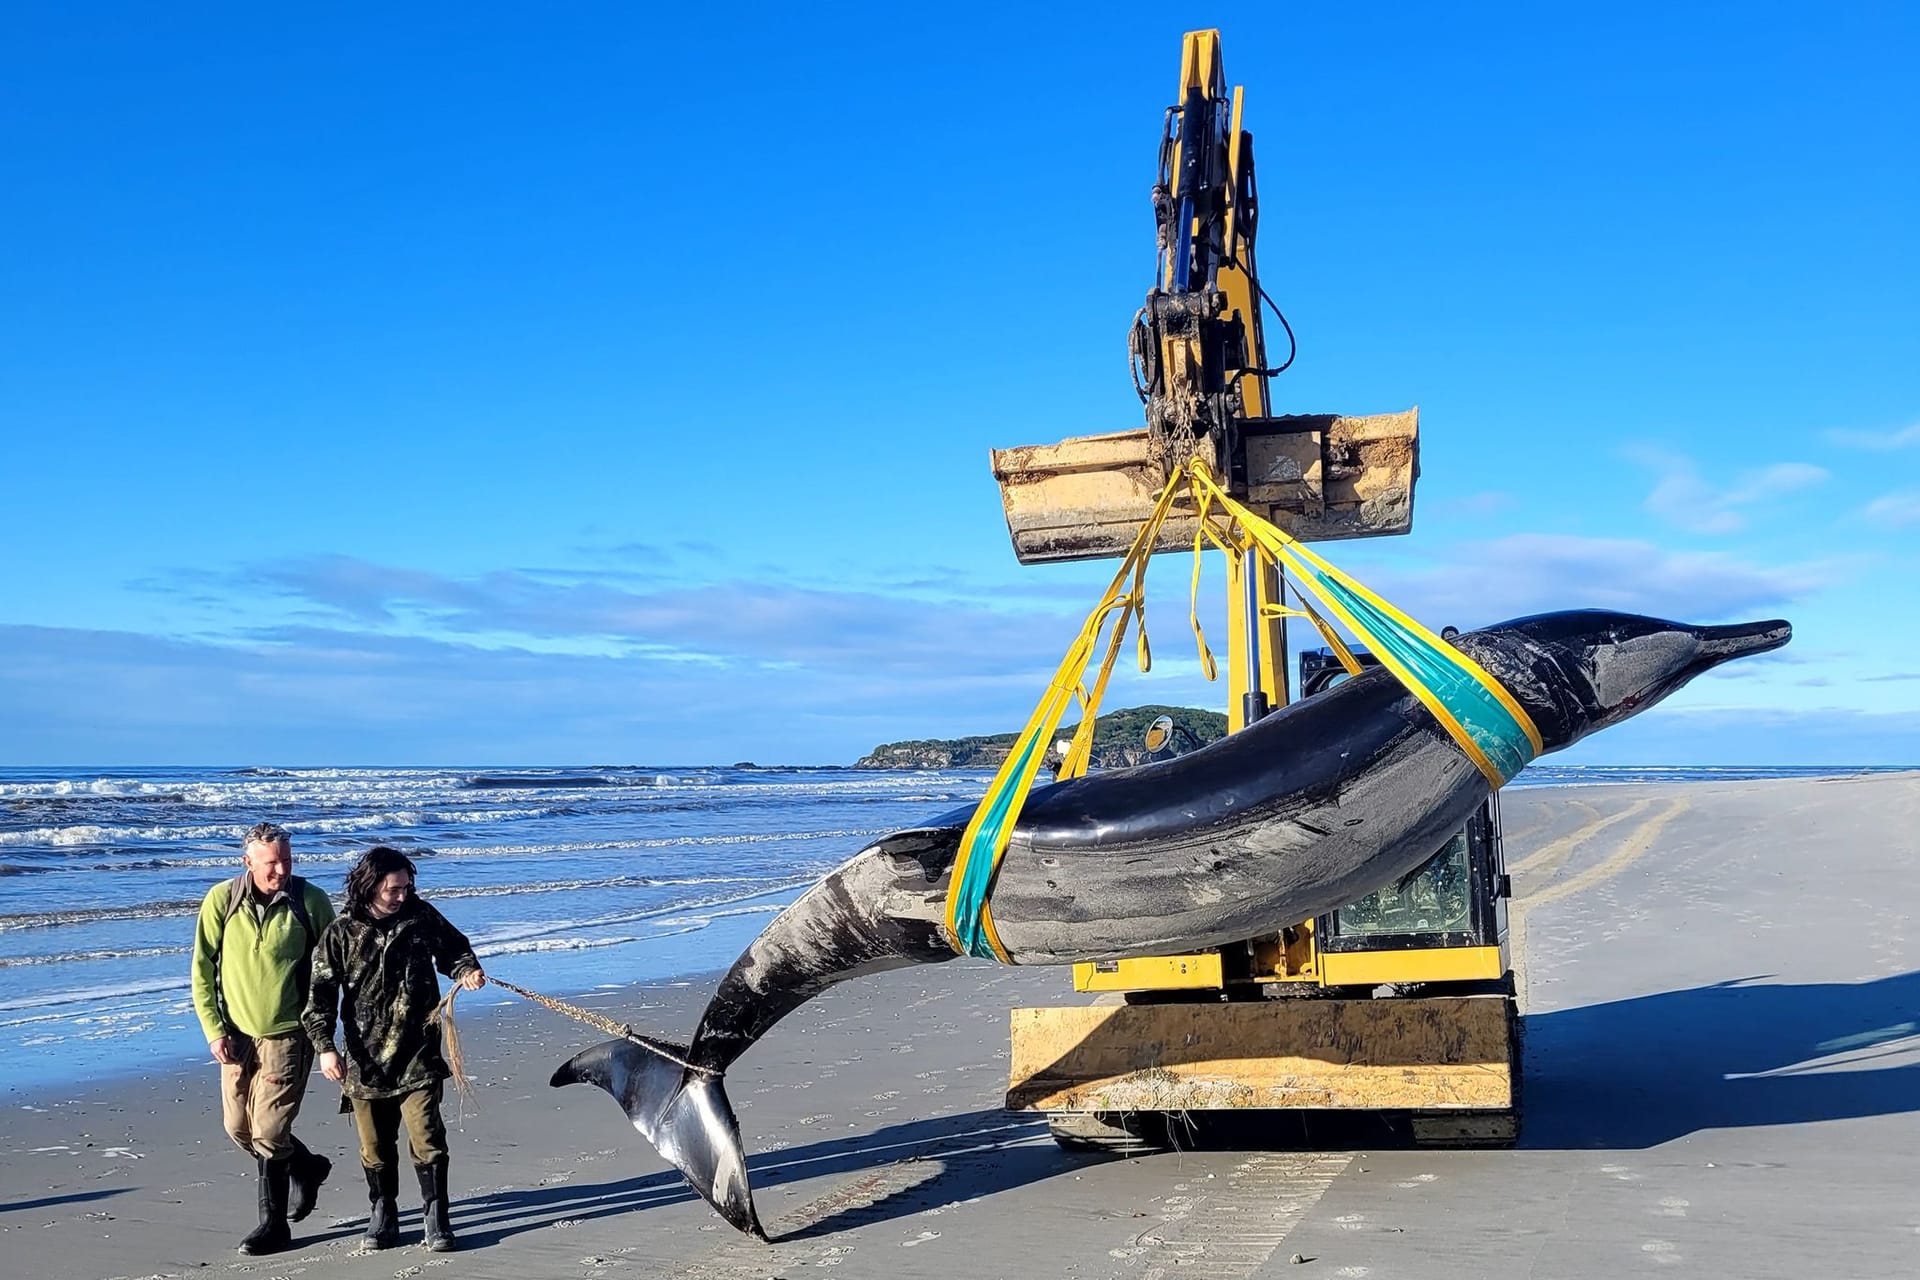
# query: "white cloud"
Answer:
x=1682 y=497
x=360 y=660
x=1894 y=510
x=338 y=696
x=1905 y=437
x=930 y=627
x=1533 y=573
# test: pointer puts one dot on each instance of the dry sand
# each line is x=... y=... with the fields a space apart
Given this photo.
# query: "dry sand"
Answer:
x=1723 y=1073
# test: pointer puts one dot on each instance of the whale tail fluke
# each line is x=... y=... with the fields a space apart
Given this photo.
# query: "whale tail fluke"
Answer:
x=682 y=1111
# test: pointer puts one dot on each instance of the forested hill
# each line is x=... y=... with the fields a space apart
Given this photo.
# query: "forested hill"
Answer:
x=1118 y=740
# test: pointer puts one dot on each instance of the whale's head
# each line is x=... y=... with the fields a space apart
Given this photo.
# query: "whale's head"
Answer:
x=1586 y=669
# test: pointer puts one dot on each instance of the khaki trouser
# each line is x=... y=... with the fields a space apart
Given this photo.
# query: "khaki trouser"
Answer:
x=378 y=1122
x=260 y=1095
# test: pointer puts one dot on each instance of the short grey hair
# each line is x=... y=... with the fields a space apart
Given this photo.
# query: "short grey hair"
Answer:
x=267 y=833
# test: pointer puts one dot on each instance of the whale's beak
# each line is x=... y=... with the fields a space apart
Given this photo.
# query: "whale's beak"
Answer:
x=1739 y=640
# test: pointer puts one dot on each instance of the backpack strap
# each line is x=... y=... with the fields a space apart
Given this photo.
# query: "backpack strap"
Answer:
x=297 y=899
x=296 y=892
x=236 y=894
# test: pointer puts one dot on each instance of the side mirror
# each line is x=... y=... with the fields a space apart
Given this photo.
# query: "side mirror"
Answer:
x=1163 y=732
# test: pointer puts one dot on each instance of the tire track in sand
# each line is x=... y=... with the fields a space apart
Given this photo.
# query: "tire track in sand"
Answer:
x=1229 y=1232
x=1630 y=851
x=1225 y=1232
x=1632 y=848
x=1553 y=856
x=1514 y=839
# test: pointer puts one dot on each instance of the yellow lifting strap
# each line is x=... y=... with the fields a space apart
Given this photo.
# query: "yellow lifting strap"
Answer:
x=969 y=919
x=1492 y=729
x=1475 y=709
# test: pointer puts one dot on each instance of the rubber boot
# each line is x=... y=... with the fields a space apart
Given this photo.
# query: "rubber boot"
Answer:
x=383 y=1217
x=271 y=1236
x=308 y=1171
x=433 y=1206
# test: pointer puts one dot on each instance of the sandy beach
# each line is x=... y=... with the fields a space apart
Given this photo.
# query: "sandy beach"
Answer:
x=1723 y=1071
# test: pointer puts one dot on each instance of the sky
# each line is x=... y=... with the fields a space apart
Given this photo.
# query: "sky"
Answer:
x=586 y=384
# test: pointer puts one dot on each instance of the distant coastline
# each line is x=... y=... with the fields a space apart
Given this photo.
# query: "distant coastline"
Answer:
x=1119 y=740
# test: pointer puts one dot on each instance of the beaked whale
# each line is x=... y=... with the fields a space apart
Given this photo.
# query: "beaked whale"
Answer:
x=1310 y=808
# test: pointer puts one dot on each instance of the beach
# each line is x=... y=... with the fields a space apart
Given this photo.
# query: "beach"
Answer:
x=1722 y=1070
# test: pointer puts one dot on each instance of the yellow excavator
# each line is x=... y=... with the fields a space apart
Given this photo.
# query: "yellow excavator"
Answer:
x=1400 y=1004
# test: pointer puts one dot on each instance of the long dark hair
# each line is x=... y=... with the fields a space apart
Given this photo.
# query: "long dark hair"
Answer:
x=375 y=865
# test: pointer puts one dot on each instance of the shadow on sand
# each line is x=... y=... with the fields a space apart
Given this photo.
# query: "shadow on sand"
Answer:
x=1636 y=1073
x=957 y=1157
x=1626 y=1074
x=48 y=1202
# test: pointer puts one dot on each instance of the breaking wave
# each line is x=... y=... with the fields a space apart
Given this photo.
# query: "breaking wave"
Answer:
x=72 y=957
x=93 y=834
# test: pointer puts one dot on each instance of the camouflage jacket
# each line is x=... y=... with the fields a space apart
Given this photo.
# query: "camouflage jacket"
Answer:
x=376 y=977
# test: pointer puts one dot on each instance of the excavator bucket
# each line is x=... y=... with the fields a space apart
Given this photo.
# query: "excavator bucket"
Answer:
x=1320 y=477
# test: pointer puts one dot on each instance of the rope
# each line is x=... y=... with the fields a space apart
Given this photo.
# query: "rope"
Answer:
x=443 y=1014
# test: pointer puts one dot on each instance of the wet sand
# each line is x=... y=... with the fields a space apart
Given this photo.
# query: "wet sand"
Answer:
x=1723 y=1078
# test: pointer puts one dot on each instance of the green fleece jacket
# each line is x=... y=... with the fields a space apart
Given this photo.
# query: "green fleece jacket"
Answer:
x=249 y=972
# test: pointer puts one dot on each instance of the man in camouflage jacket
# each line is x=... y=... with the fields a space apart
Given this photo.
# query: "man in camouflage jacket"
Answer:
x=376 y=970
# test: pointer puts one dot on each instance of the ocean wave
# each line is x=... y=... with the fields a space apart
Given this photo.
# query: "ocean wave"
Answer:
x=70 y=957
x=669 y=926
x=702 y=919
x=547 y=928
x=26 y=805
x=571 y=781
x=674 y=920
x=303 y=856
x=518 y=781
x=84 y=995
x=534 y=945
x=77 y=788
x=96 y=834
x=250 y=788
x=663 y=842
x=68 y=916
x=94 y=915
x=331 y=773
x=570 y=886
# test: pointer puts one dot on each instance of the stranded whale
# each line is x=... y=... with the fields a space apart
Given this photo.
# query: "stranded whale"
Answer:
x=1315 y=805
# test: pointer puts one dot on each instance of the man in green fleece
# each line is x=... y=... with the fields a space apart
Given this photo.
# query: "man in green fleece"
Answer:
x=252 y=957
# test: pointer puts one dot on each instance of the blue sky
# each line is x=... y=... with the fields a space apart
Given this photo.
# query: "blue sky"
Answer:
x=573 y=384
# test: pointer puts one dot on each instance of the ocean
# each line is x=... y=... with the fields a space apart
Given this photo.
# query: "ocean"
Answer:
x=566 y=880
